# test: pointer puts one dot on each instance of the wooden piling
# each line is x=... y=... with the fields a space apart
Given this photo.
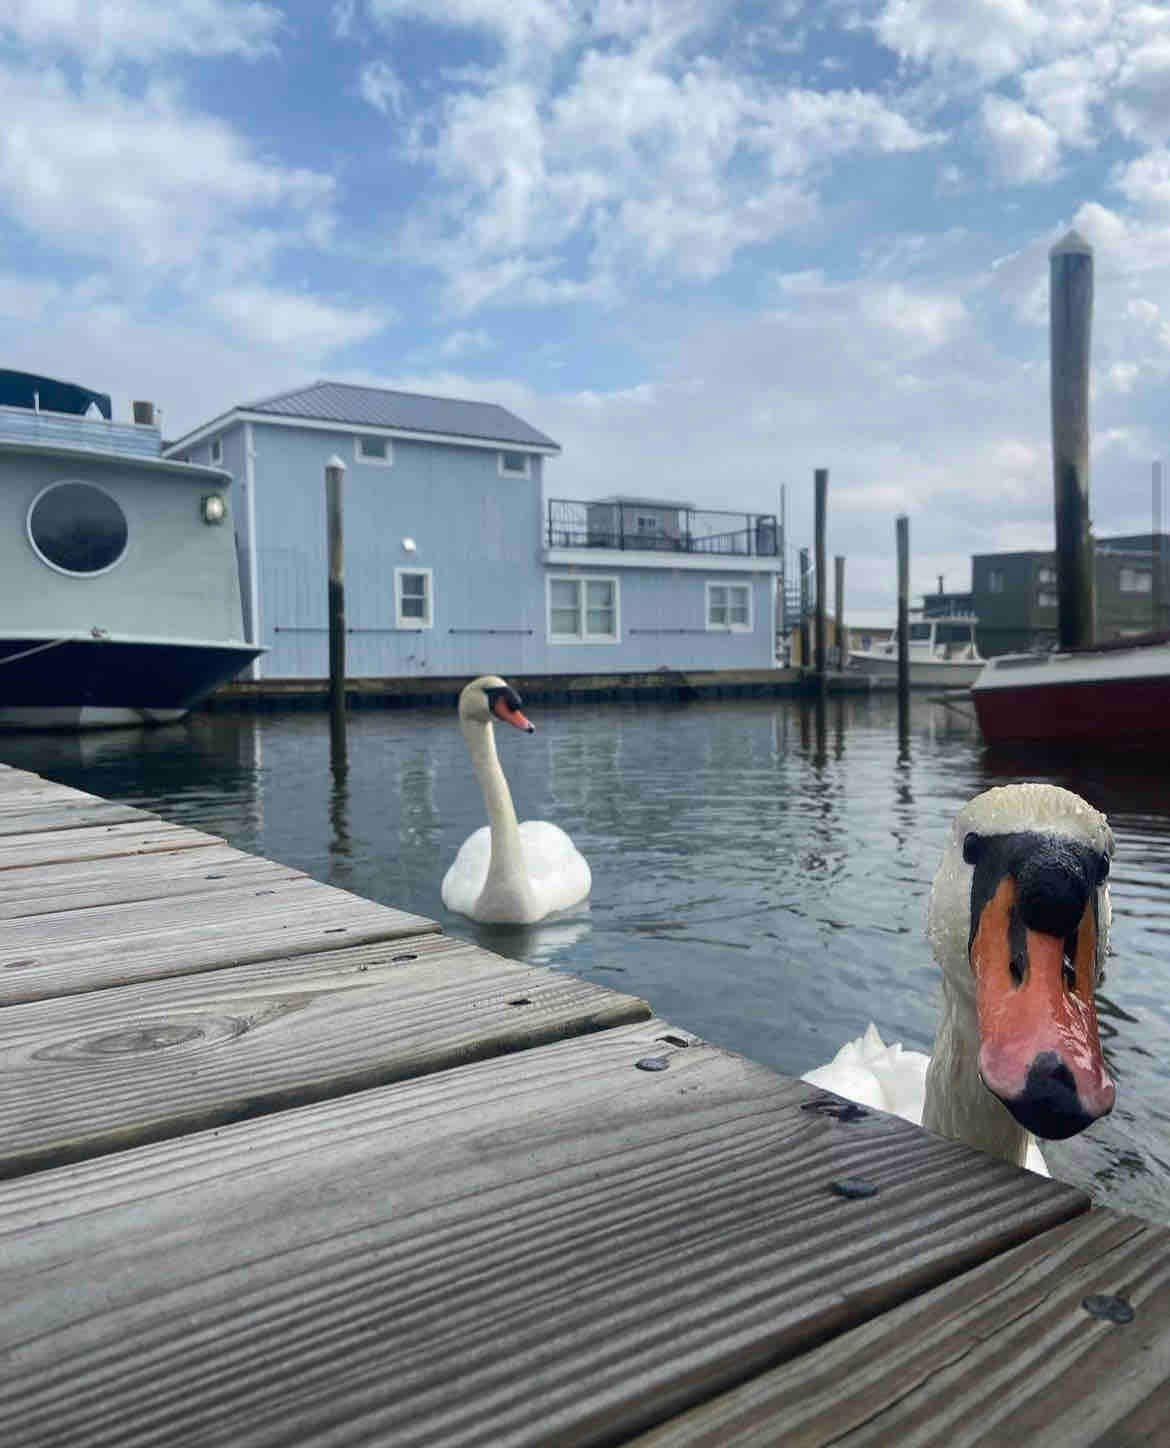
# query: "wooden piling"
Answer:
x=821 y=491
x=804 y=641
x=334 y=476
x=839 y=608
x=1157 y=552
x=1070 y=326
x=902 y=530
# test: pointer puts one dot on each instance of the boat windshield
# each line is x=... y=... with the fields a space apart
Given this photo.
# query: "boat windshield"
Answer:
x=919 y=633
x=954 y=633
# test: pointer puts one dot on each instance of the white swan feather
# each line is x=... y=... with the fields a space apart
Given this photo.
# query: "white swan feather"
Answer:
x=558 y=874
x=506 y=872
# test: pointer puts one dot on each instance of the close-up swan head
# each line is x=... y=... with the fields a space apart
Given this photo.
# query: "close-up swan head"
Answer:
x=1019 y=922
x=490 y=697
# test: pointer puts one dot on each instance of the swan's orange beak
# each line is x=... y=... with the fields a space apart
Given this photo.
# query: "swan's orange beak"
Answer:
x=503 y=710
x=1040 y=1050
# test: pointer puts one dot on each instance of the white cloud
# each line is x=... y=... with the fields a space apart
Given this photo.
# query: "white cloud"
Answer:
x=648 y=165
x=279 y=319
x=1146 y=182
x=102 y=32
x=924 y=319
x=1025 y=147
x=1066 y=92
x=1143 y=104
x=343 y=14
x=463 y=343
x=523 y=28
x=380 y=85
x=993 y=37
x=142 y=181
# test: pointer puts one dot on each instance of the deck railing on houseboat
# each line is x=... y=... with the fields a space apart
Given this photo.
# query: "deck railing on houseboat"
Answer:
x=60 y=429
x=659 y=528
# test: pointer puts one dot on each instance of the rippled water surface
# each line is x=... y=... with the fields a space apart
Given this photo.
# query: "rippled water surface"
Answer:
x=759 y=876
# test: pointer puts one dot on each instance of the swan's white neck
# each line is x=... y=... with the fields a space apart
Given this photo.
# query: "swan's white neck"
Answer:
x=957 y=1103
x=507 y=892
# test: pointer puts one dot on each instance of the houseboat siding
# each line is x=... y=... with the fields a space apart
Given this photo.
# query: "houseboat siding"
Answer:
x=481 y=536
x=170 y=554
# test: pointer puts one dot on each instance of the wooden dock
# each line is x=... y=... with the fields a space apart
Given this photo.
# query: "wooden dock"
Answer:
x=281 y=1166
x=435 y=691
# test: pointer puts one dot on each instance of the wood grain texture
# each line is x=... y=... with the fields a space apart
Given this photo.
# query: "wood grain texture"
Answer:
x=24 y=817
x=1004 y=1354
x=80 y=885
x=98 y=842
x=71 y=951
x=548 y=1248
x=96 y=1073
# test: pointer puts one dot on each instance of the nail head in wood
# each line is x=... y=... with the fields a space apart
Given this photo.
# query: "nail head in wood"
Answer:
x=1109 y=1308
x=853 y=1188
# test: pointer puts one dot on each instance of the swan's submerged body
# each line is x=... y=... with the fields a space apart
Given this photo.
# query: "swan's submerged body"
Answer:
x=557 y=873
x=506 y=872
x=1019 y=923
x=890 y=1078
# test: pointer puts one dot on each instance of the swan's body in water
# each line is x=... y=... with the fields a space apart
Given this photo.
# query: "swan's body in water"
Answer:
x=506 y=872
x=1019 y=923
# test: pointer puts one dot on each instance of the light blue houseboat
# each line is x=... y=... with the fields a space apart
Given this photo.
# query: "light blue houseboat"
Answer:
x=119 y=585
x=456 y=565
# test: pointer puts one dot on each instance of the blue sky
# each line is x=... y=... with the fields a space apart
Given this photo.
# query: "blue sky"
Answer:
x=707 y=246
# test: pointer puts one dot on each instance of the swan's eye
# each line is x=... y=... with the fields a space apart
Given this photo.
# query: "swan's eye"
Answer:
x=972 y=848
x=1102 y=869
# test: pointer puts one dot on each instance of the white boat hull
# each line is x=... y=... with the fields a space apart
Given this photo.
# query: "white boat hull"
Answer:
x=924 y=673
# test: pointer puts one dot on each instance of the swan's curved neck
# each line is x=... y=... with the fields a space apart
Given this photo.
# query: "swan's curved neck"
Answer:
x=957 y=1103
x=507 y=883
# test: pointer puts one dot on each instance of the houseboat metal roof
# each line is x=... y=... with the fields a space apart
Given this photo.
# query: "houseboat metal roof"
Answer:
x=409 y=414
x=49 y=394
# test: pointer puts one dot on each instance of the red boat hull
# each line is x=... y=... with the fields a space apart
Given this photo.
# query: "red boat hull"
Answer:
x=1115 y=697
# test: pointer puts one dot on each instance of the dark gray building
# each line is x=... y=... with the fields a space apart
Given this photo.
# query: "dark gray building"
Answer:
x=1015 y=594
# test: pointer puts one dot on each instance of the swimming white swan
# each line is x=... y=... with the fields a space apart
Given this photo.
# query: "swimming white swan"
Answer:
x=1019 y=923
x=506 y=872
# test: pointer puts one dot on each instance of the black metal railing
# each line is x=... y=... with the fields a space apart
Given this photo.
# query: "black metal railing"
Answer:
x=660 y=528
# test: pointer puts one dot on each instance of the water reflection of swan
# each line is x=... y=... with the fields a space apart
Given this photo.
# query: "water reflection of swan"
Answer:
x=1019 y=922
x=508 y=873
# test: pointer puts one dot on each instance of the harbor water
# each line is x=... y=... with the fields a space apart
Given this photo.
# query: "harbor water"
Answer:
x=760 y=869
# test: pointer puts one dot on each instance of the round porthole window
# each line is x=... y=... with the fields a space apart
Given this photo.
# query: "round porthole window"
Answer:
x=77 y=528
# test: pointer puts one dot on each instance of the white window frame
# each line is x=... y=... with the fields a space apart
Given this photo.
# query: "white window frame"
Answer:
x=1045 y=574
x=995 y=580
x=584 y=637
x=400 y=620
x=359 y=456
x=511 y=472
x=216 y=451
x=729 y=627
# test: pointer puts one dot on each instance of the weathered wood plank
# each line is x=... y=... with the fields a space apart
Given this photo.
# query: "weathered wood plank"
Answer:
x=553 y=1247
x=1004 y=1354
x=97 y=1073
x=98 y=842
x=72 y=951
x=25 y=818
x=41 y=890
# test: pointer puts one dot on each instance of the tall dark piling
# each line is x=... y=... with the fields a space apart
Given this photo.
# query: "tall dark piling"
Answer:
x=335 y=543
x=821 y=490
x=805 y=651
x=1070 y=319
x=902 y=532
x=1158 y=552
x=839 y=609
